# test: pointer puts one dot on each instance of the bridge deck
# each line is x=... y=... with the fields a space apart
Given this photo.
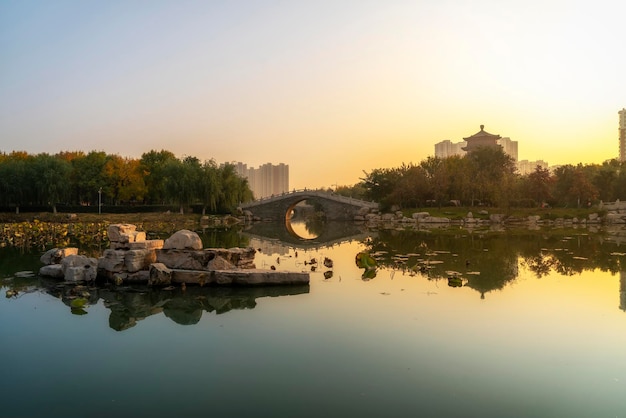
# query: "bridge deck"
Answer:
x=304 y=193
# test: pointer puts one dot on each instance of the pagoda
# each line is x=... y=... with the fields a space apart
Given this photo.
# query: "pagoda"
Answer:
x=481 y=139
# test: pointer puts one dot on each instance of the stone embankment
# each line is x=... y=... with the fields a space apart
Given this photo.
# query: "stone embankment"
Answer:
x=484 y=218
x=181 y=259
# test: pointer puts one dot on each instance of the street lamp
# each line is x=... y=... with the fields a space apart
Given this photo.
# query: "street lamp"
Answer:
x=100 y=201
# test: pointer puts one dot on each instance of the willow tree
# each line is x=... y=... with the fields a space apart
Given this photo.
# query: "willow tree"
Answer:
x=152 y=165
x=52 y=179
x=182 y=179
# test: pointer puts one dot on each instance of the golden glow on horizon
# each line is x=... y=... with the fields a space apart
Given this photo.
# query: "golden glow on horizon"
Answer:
x=329 y=92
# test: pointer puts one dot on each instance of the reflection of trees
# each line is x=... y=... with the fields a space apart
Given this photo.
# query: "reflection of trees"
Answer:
x=491 y=255
x=494 y=254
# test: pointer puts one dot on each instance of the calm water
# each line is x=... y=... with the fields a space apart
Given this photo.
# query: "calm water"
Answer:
x=538 y=329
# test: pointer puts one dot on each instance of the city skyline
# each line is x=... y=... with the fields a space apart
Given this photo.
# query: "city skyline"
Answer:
x=330 y=88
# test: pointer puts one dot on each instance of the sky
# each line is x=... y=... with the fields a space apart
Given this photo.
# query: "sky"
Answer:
x=331 y=88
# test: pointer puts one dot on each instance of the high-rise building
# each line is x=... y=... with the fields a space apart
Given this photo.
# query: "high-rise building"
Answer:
x=622 y=135
x=509 y=147
x=267 y=180
x=447 y=148
x=526 y=167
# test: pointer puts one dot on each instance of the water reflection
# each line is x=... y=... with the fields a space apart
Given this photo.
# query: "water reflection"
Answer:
x=488 y=261
x=130 y=304
x=326 y=234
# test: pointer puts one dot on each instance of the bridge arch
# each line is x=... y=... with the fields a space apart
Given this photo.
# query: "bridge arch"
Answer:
x=335 y=207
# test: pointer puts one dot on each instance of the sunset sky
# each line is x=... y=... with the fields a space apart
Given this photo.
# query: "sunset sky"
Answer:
x=331 y=88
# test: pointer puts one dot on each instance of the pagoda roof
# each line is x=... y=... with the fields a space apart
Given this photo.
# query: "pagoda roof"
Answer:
x=482 y=134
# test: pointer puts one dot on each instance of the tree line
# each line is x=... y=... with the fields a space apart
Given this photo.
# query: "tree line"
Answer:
x=157 y=178
x=488 y=176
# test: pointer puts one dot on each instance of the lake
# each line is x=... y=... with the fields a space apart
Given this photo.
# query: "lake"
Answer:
x=451 y=322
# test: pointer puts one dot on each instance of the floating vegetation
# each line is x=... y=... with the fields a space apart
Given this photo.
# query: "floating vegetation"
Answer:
x=366 y=261
x=41 y=235
x=455 y=282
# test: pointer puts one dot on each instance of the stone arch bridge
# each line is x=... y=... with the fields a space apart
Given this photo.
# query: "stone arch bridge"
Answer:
x=335 y=207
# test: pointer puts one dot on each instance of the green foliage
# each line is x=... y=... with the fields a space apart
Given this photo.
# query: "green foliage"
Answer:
x=75 y=178
x=487 y=177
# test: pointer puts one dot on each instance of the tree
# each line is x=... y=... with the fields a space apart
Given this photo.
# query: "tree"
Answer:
x=234 y=189
x=124 y=178
x=88 y=177
x=152 y=166
x=182 y=179
x=540 y=185
x=572 y=186
x=493 y=173
x=52 y=179
x=210 y=186
x=379 y=185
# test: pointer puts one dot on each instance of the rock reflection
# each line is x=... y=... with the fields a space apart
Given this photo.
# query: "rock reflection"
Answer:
x=185 y=307
x=130 y=305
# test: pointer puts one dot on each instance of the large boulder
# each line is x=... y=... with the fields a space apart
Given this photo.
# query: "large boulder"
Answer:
x=79 y=268
x=183 y=240
x=55 y=255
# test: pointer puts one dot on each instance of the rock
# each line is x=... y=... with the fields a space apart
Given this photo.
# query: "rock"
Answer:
x=435 y=219
x=159 y=275
x=135 y=260
x=183 y=240
x=420 y=215
x=593 y=216
x=239 y=277
x=152 y=244
x=79 y=268
x=219 y=263
x=470 y=215
x=496 y=218
x=242 y=258
x=55 y=255
x=112 y=260
x=52 y=270
x=184 y=259
x=115 y=231
x=363 y=211
x=140 y=277
x=387 y=217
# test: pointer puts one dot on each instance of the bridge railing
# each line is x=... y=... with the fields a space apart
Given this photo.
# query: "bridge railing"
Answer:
x=317 y=192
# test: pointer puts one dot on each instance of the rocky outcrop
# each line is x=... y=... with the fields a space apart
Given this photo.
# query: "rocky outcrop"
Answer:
x=180 y=259
x=129 y=255
x=66 y=264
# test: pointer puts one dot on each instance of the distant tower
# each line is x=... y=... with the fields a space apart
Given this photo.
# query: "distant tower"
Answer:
x=622 y=135
x=481 y=139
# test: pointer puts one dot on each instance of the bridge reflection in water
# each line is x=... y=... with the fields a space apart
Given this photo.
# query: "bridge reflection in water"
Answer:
x=327 y=234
